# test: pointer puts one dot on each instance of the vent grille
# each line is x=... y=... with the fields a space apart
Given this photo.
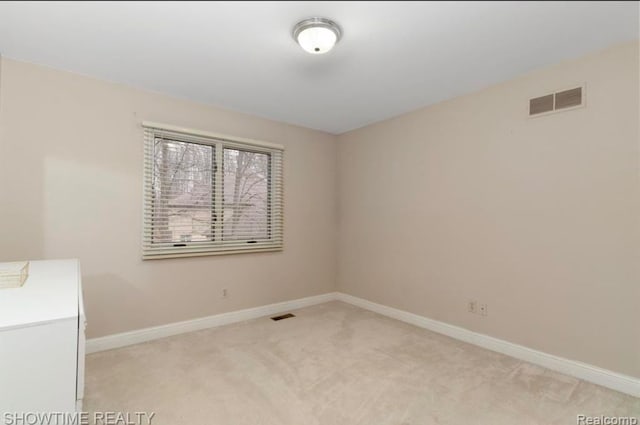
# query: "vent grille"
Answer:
x=571 y=98
x=284 y=316
x=541 y=104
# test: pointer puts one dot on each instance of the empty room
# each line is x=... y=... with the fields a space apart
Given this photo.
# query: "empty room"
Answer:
x=320 y=213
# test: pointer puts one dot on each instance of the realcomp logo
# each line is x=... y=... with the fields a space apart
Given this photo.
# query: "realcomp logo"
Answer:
x=606 y=420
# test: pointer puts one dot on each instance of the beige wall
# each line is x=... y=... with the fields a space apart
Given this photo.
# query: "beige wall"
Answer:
x=467 y=199
x=71 y=183
x=538 y=218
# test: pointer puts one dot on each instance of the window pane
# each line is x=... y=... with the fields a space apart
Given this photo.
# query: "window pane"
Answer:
x=246 y=195
x=182 y=192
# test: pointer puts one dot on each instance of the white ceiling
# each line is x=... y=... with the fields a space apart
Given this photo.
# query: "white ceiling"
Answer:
x=394 y=57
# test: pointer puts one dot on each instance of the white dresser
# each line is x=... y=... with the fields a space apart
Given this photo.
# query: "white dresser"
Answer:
x=42 y=342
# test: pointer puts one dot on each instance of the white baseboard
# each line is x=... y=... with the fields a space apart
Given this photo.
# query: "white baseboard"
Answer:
x=142 y=335
x=596 y=375
x=586 y=372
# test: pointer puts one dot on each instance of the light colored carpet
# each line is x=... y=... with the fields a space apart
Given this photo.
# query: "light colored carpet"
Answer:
x=335 y=364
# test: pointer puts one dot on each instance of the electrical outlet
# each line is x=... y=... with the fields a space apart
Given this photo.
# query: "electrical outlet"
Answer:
x=472 y=307
x=224 y=293
x=483 y=309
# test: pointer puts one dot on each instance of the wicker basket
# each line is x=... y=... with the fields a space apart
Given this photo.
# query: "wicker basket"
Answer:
x=13 y=275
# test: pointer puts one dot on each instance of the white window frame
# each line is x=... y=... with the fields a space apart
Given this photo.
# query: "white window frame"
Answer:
x=219 y=142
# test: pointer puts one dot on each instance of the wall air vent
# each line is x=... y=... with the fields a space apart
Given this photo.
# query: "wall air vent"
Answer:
x=541 y=104
x=559 y=101
x=569 y=98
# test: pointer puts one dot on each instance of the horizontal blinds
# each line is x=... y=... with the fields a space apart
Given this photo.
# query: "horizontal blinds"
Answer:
x=204 y=195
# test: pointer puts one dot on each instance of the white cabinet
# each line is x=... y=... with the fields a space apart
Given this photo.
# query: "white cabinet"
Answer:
x=42 y=340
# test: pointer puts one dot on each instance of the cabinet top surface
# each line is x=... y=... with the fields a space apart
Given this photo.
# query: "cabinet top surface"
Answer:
x=50 y=293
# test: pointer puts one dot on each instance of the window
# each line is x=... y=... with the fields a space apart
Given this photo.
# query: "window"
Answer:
x=206 y=194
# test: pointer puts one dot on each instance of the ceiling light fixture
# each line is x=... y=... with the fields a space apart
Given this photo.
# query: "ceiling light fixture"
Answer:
x=317 y=35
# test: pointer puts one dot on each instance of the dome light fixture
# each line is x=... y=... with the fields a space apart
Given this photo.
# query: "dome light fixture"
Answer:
x=317 y=35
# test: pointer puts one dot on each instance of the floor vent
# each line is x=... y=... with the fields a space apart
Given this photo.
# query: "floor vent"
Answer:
x=554 y=102
x=284 y=316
